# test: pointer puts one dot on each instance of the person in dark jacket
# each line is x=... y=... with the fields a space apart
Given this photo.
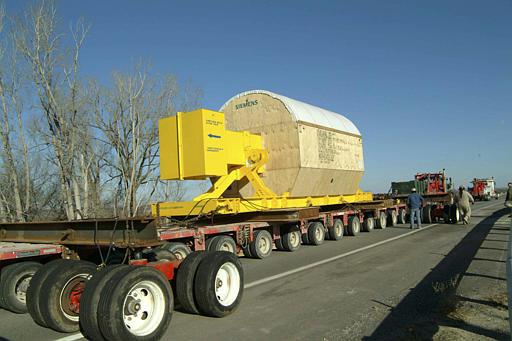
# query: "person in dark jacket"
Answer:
x=508 y=198
x=415 y=203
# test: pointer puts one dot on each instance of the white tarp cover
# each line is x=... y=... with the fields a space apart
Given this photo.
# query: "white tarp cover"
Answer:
x=303 y=112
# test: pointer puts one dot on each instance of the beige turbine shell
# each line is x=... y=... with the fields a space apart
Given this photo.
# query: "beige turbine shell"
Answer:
x=312 y=151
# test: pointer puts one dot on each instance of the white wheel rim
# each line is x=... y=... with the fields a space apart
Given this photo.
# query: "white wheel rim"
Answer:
x=264 y=245
x=338 y=229
x=73 y=317
x=180 y=254
x=227 y=284
x=295 y=238
x=318 y=233
x=21 y=287
x=144 y=308
x=226 y=246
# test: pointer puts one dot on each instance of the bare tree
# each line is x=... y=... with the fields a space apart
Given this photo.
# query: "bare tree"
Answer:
x=78 y=151
x=128 y=120
x=61 y=99
x=9 y=103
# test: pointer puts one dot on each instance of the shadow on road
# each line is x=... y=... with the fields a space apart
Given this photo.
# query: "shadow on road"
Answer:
x=425 y=306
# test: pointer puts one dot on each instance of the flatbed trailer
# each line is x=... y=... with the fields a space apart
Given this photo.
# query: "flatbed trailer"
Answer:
x=165 y=245
x=111 y=278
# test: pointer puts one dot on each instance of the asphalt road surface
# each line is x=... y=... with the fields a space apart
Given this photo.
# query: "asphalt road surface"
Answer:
x=341 y=290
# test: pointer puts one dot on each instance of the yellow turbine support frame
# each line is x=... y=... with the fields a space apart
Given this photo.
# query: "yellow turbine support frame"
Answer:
x=196 y=145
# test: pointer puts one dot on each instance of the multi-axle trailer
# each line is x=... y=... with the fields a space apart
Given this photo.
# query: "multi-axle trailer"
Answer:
x=64 y=255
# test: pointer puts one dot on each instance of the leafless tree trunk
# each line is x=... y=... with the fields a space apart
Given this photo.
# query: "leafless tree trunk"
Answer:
x=5 y=133
x=59 y=96
x=129 y=122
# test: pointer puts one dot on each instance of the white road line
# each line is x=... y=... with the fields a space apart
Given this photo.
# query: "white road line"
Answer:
x=331 y=259
x=72 y=337
x=79 y=336
x=327 y=260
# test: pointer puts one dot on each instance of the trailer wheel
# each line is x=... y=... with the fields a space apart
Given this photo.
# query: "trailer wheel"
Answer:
x=88 y=315
x=392 y=218
x=336 y=230
x=261 y=246
x=354 y=226
x=247 y=251
x=219 y=284
x=368 y=224
x=14 y=282
x=60 y=295
x=279 y=243
x=185 y=279
x=427 y=214
x=34 y=289
x=305 y=238
x=454 y=214
x=402 y=216
x=291 y=238
x=316 y=233
x=381 y=221
x=180 y=250
x=137 y=306
x=221 y=243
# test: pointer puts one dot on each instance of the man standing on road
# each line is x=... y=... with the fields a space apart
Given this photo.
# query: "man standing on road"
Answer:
x=464 y=204
x=415 y=202
x=508 y=198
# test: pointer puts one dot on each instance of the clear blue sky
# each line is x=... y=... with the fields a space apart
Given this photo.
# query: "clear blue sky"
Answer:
x=428 y=83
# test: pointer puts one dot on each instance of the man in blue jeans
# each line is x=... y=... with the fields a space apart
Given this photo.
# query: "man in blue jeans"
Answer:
x=415 y=203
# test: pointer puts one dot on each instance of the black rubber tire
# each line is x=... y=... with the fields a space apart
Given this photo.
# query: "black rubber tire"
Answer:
x=247 y=251
x=316 y=233
x=354 y=226
x=279 y=244
x=305 y=238
x=221 y=243
x=427 y=215
x=392 y=218
x=205 y=284
x=180 y=250
x=10 y=276
x=402 y=219
x=111 y=307
x=185 y=279
x=335 y=232
x=368 y=224
x=34 y=289
x=446 y=214
x=256 y=250
x=381 y=221
x=53 y=289
x=161 y=254
x=90 y=299
x=454 y=214
x=291 y=238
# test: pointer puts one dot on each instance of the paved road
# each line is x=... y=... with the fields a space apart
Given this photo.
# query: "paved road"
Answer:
x=340 y=290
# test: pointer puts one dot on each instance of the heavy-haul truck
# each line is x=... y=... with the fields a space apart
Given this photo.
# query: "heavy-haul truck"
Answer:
x=437 y=192
x=483 y=189
x=283 y=173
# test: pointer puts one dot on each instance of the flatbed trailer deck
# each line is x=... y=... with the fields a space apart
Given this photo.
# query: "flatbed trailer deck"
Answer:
x=145 y=232
x=166 y=245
